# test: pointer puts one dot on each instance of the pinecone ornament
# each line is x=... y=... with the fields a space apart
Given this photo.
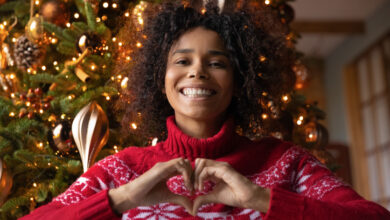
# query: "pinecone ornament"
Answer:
x=26 y=53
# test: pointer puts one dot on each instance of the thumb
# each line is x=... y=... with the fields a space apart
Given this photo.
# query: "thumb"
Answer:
x=202 y=200
x=182 y=201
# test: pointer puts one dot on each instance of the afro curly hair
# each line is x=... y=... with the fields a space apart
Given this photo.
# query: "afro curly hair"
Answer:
x=256 y=45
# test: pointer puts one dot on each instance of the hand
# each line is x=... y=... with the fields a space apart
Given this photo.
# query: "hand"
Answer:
x=231 y=187
x=150 y=188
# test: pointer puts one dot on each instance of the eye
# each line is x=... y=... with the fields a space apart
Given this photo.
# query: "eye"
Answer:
x=182 y=62
x=217 y=64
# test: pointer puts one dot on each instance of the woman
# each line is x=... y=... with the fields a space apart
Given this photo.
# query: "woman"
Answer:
x=202 y=69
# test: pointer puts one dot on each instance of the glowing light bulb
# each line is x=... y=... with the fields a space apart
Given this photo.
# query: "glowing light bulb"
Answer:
x=105 y=4
x=264 y=116
x=76 y=15
x=133 y=125
x=154 y=141
x=267 y=2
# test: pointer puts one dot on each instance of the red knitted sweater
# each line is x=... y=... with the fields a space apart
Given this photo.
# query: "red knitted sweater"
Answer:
x=301 y=187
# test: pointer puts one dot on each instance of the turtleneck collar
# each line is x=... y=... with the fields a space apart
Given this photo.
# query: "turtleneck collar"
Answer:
x=183 y=145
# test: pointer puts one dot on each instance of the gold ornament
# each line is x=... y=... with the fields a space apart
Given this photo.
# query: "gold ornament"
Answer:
x=34 y=28
x=316 y=135
x=5 y=182
x=90 y=132
x=5 y=57
x=83 y=76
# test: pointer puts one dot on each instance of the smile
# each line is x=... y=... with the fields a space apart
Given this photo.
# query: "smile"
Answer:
x=197 y=92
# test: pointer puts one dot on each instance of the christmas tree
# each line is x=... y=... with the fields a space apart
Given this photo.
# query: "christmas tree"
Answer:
x=58 y=75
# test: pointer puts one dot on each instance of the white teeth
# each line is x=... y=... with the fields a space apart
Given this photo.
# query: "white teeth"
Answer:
x=197 y=92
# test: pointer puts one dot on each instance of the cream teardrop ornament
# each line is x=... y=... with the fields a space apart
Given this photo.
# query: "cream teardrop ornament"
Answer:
x=90 y=132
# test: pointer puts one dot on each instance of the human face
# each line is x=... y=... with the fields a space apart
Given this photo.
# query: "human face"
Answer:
x=199 y=76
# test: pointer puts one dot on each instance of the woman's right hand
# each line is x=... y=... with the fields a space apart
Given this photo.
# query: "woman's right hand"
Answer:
x=150 y=188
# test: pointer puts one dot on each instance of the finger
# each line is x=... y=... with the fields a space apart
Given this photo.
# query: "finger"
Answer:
x=184 y=168
x=182 y=201
x=205 y=174
x=199 y=165
x=202 y=200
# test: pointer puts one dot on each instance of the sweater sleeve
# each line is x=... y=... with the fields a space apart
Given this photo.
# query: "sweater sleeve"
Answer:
x=318 y=194
x=87 y=197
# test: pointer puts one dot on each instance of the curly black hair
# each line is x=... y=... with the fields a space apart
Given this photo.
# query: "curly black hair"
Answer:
x=254 y=39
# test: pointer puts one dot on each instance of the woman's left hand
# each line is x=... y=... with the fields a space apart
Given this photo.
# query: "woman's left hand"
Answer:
x=231 y=187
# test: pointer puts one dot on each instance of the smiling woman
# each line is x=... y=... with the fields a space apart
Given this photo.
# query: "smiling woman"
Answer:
x=199 y=72
x=199 y=82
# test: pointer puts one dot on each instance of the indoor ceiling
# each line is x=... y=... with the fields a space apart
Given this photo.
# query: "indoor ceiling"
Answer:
x=324 y=24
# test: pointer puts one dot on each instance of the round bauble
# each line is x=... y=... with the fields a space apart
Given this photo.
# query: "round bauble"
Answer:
x=34 y=28
x=316 y=135
x=62 y=136
x=89 y=41
x=286 y=13
x=55 y=12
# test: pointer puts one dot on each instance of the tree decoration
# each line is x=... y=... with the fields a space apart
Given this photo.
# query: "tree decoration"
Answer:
x=301 y=74
x=56 y=12
x=27 y=54
x=90 y=132
x=34 y=28
x=34 y=103
x=90 y=41
x=61 y=136
x=286 y=12
x=316 y=135
x=5 y=182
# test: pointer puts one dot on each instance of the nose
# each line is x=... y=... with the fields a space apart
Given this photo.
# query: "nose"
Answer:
x=197 y=71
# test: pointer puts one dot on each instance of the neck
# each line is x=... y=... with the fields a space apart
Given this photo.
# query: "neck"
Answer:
x=199 y=128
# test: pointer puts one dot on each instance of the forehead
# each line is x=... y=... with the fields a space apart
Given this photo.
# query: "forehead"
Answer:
x=199 y=38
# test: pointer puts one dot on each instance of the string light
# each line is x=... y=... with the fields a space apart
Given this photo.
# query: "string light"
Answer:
x=43 y=68
x=116 y=149
x=114 y=5
x=63 y=116
x=113 y=39
x=5 y=23
x=120 y=44
x=299 y=122
x=37 y=2
x=267 y=2
x=105 y=4
x=76 y=15
x=264 y=116
x=35 y=185
x=11 y=76
x=41 y=111
x=13 y=39
x=40 y=145
x=68 y=25
x=127 y=14
x=285 y=98
x=133 y=125
x=98 y=19
x=13 y=95
x=12 y=114
x=300 y=118
x=154 y=141
x=124 y=82
x=93 y=67
x=55 y=63
x=262 y=58
x=31 y=199
x=139 y=44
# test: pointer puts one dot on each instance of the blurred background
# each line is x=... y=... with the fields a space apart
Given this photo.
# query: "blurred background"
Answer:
x=347 y=48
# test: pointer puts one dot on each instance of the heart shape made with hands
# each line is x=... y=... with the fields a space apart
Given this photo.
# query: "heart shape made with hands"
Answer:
x=214 y=182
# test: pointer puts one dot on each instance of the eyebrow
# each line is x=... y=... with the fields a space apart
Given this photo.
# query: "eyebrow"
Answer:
x=212 y=52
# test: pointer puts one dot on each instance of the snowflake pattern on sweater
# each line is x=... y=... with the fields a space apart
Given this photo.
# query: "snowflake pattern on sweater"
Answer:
x=285 y=172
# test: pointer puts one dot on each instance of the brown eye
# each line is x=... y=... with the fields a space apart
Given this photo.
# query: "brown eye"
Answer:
x=217 y=65
x=182 y=62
